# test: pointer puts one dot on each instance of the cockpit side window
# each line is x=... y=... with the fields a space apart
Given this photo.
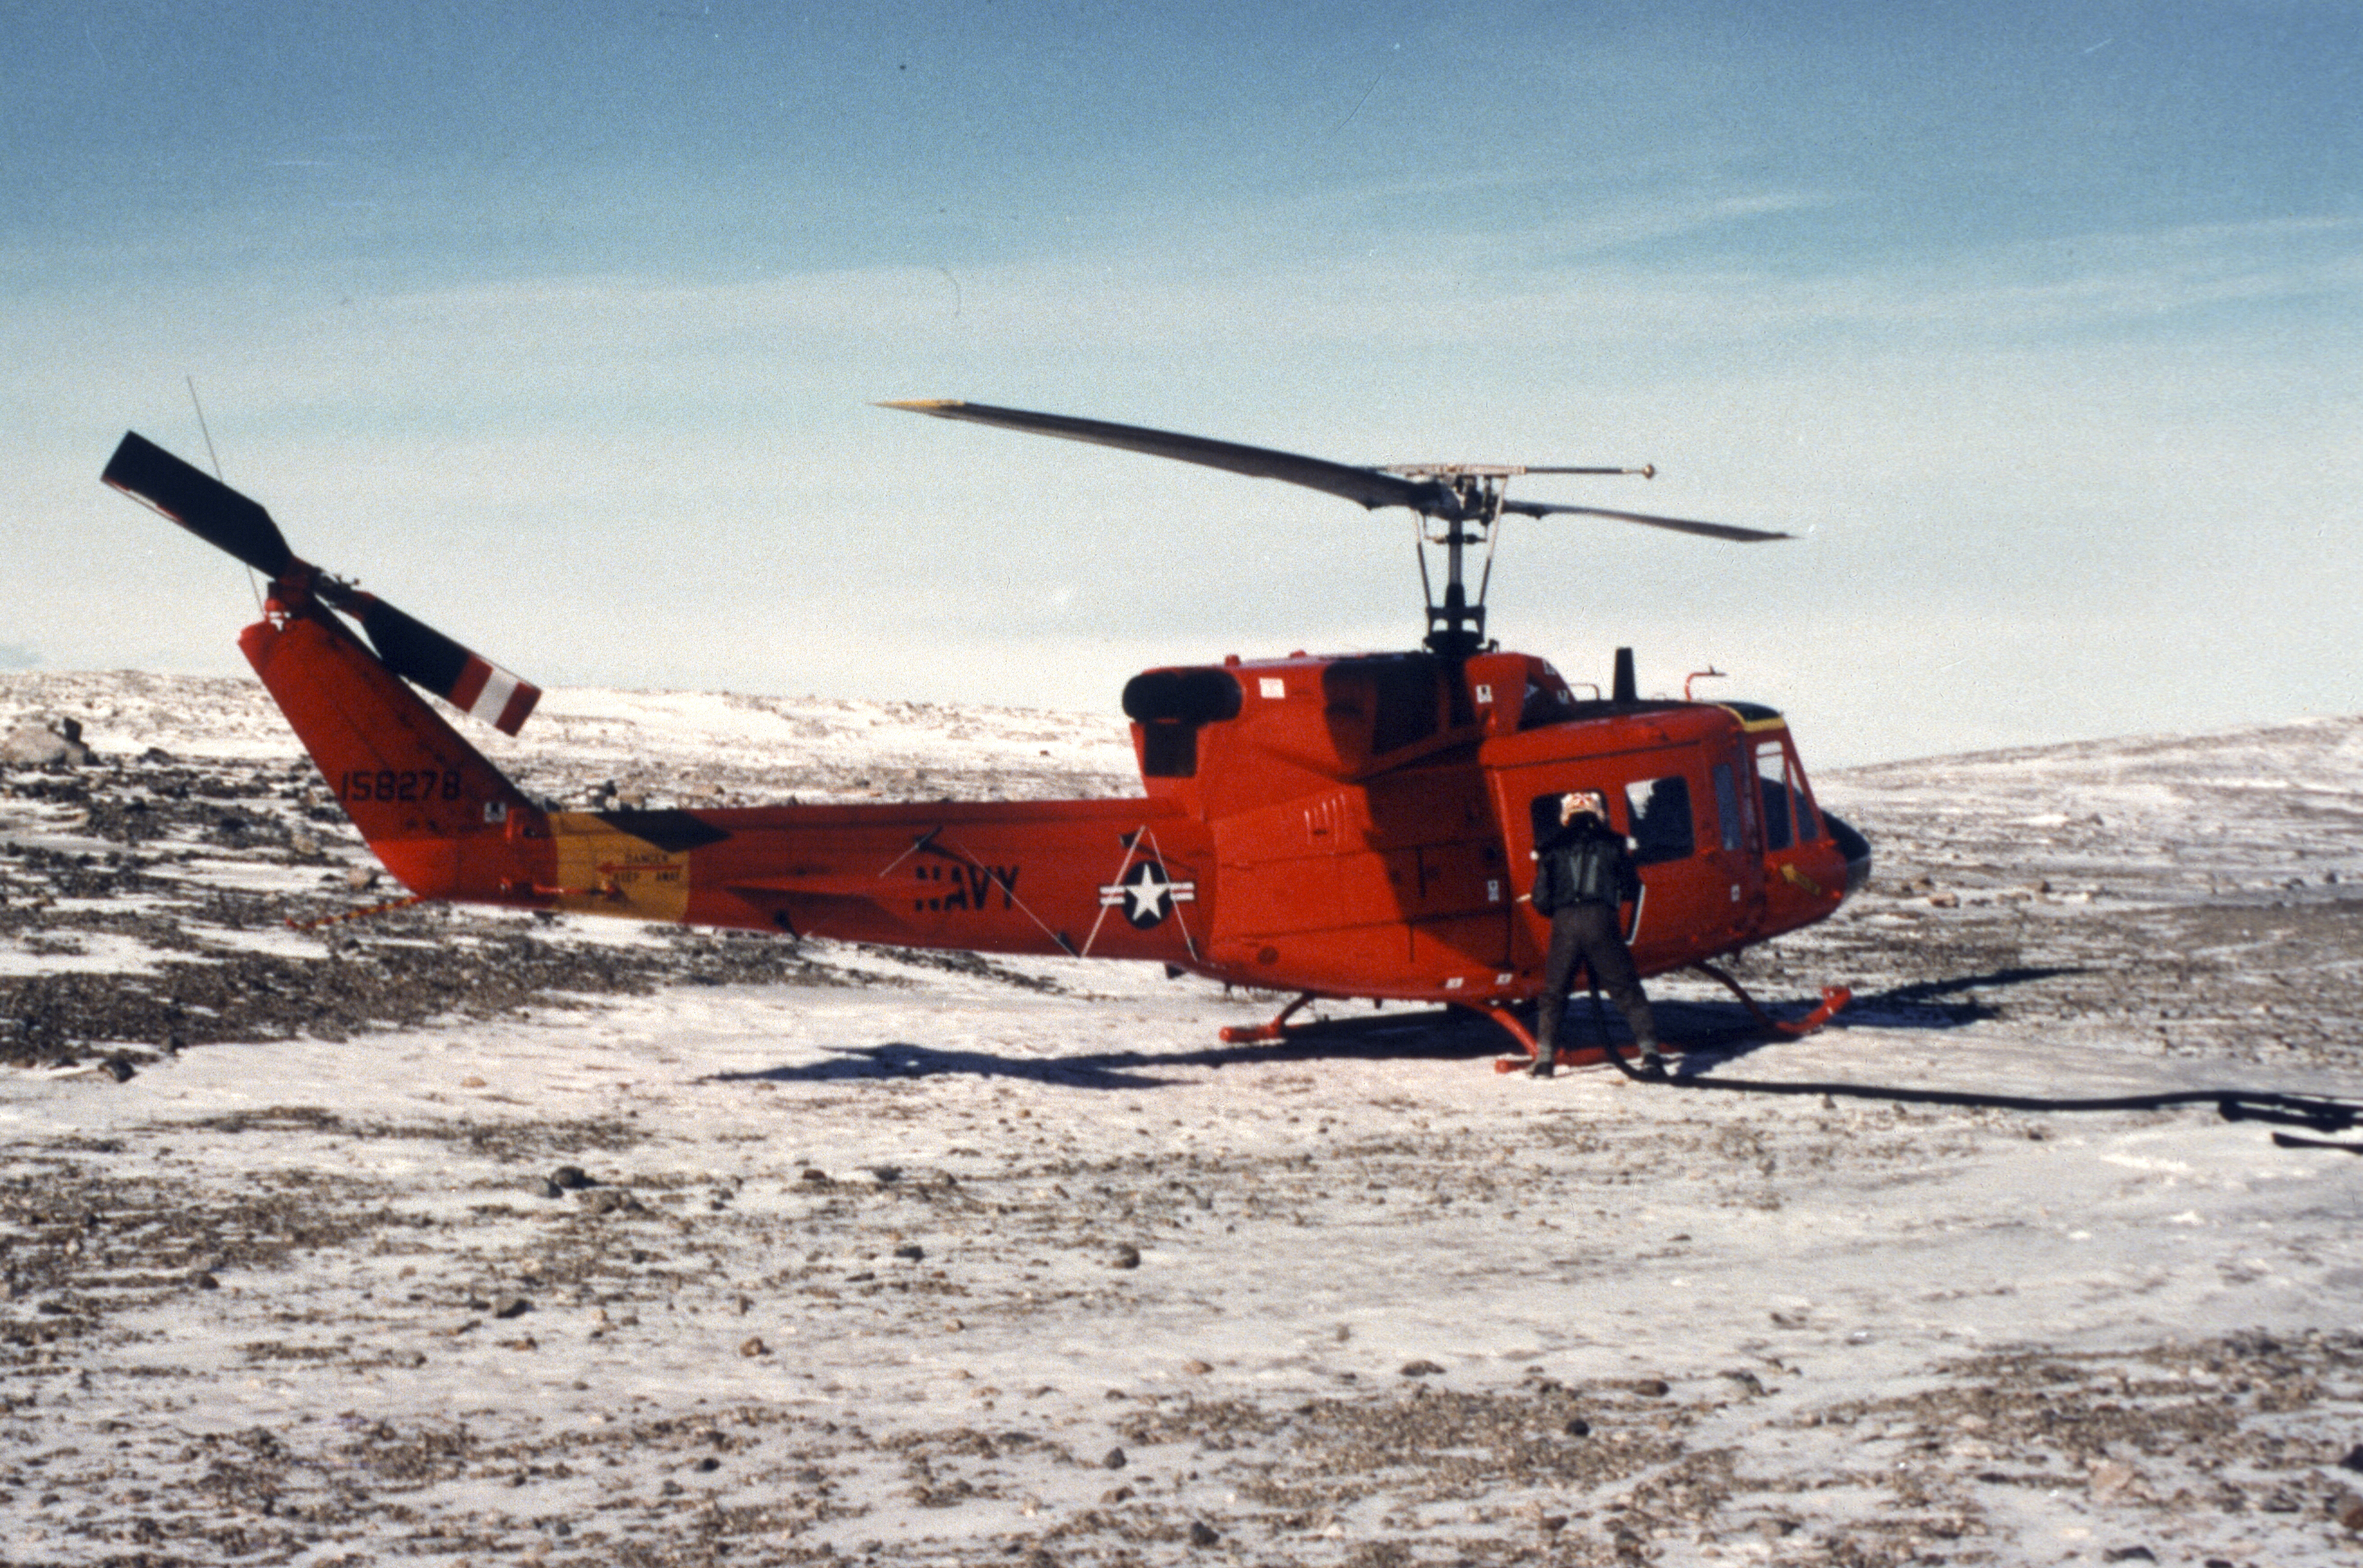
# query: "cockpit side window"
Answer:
x=1659 y=811
x=1772 y=774
x=1809 y=822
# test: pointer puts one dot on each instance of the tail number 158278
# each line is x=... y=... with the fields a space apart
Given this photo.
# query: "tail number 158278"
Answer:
x=398 y=784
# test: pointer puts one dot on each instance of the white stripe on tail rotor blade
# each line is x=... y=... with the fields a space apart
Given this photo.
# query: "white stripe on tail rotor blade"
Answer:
x=499 y=686
x=520 y=707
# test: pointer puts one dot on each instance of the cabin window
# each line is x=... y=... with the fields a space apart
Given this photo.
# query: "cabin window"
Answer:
x=1659 y=811
x=1771 y=775
x=1726 y=807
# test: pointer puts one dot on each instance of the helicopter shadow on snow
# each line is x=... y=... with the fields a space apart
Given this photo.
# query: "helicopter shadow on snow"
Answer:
x=1708 y=1033
x=1402 y=1036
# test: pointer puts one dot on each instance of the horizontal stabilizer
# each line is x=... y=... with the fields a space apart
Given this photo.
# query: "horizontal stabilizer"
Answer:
x=199 y=503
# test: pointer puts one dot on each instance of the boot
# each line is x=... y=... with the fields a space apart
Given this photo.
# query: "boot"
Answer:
x=1545 y=1062
x=1652 y=1064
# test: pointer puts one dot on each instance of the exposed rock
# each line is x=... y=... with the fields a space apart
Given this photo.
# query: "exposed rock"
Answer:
x=45 y=743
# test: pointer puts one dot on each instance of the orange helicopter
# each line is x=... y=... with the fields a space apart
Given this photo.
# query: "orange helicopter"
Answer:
x=1351 y=826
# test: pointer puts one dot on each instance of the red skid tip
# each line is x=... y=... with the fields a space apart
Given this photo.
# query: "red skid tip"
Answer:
x=1833 y=998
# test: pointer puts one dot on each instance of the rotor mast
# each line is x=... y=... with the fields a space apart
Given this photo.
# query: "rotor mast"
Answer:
x=1466 y=500
x=1456 y=628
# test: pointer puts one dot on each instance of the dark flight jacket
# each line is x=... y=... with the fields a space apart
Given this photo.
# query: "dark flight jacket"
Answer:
x=1584 y=862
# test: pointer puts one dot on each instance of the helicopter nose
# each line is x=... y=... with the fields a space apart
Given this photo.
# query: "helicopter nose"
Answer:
x=1854 y=847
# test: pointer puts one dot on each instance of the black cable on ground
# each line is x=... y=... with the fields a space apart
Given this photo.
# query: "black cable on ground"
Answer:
x=2321 y=1113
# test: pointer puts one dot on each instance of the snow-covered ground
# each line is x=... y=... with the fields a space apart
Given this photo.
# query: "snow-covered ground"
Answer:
x=898 y=1259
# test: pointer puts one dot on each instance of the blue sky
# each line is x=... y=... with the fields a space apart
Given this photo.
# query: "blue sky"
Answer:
x=2038 y=322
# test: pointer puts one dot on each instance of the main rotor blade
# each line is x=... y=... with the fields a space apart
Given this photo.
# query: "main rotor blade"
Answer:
x=199 y=503
x=426 y=657
x=1679 y=524
x=1368 y=486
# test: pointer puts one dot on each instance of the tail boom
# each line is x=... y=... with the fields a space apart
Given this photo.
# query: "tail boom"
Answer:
x=1118 y=879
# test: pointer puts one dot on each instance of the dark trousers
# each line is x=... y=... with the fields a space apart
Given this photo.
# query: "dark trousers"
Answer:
x=1587 y=935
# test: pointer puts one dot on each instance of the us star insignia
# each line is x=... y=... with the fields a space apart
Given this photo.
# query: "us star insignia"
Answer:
x=1147 y=895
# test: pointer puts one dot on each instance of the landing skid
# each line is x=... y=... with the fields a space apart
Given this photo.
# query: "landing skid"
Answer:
x=1833 y=998
x=1265 y=1033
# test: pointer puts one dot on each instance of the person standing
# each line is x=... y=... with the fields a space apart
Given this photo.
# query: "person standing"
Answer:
x=1584 y=873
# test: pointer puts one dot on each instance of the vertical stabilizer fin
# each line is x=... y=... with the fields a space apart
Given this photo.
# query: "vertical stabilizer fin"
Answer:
x=445 y=821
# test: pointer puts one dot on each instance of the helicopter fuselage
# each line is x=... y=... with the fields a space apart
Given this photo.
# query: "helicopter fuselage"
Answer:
x=1358 y=826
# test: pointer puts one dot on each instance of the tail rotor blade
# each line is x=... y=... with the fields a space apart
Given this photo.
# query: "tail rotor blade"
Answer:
x=426 y=657
x=199 y=503
x=233 y=523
